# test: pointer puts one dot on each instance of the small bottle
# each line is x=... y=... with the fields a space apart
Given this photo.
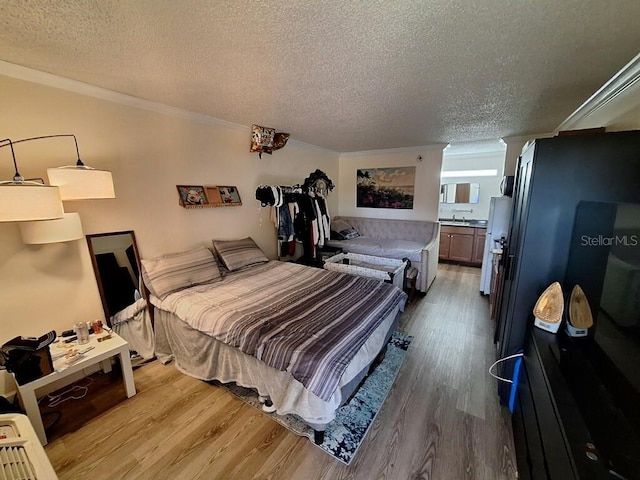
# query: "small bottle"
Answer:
x=96 y=325
x=82 y=332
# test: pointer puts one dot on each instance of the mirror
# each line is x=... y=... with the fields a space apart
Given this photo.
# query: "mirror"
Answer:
x=116 y=264
x=460 y=193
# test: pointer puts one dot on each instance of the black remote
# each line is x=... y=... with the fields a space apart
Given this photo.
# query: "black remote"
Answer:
x=66 y=333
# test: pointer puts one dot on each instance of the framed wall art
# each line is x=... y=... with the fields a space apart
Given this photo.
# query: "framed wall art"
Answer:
x=192 y=195
x=223 y=196
x=385 y=187
x=207 y=196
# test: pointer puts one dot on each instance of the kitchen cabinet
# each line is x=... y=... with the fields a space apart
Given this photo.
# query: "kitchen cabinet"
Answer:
x=462 y=244
x=496 y=284
x=478 y=245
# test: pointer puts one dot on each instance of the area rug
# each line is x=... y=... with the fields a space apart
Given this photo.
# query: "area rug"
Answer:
x=344 y=435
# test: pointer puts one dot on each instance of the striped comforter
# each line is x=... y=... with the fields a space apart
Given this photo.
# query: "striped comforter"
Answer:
x=306 y=321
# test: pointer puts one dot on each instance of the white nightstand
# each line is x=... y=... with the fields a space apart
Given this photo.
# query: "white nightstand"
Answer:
x=101 y=353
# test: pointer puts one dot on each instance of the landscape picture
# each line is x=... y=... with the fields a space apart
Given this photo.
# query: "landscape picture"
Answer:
x=385 y=187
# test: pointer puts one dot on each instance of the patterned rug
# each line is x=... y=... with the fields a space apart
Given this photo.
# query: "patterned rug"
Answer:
x=344 y=435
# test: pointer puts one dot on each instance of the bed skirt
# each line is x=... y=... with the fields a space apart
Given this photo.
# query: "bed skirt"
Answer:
x=203 y=357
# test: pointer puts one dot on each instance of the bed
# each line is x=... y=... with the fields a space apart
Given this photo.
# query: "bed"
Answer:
x=303 y=337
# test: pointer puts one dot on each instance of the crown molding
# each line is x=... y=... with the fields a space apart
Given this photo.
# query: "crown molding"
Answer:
x=47 y=79
x=393 y=151
x=608 y=102
x=88 y=90
x=310 y=146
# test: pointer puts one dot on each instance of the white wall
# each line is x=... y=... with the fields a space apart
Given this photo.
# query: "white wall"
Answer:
x=427 y=188
x=53 y=286
x=489 y=186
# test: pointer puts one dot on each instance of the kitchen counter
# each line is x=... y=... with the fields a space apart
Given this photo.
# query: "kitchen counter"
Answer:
x=466 y=223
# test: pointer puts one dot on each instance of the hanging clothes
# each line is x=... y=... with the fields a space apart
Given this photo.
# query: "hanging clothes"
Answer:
x=304 y=226
x=324 y=215
x=285 y=223
x=299 y=213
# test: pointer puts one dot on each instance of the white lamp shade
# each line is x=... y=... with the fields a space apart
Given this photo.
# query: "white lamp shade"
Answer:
x=25 y=202
x=65 y=229
x=82 y=183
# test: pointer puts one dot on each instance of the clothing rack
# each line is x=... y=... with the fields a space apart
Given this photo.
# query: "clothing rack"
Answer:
x=300 y=214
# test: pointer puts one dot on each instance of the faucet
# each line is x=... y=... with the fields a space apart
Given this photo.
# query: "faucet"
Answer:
x=454 y=218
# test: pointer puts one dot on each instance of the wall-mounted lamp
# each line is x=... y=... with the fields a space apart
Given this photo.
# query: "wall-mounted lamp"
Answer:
x=23 y=200
x=79 y=182
x=64 y=229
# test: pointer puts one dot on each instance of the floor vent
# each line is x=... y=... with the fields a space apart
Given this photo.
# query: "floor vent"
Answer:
x=21 y=455
x=15 y=464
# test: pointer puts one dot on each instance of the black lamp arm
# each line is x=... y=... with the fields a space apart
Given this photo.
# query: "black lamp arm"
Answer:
x=3 y=143
x=75 y=140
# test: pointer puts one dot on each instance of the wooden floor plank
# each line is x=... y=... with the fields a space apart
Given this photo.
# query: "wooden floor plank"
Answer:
x=442 y=419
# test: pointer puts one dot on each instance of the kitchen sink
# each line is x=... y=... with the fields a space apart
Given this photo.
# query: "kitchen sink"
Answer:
x=465 y=223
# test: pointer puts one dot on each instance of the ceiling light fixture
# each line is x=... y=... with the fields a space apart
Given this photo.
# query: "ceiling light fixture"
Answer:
x=24 y=200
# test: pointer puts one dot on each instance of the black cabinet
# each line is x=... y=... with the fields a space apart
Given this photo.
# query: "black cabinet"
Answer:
x=553 y=176
x=551 y=437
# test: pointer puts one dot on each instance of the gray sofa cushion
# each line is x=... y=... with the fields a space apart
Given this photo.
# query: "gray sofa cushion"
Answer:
x=381 y=247
x=417 y=240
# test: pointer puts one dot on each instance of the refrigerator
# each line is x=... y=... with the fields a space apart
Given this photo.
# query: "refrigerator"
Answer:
x=497 y=227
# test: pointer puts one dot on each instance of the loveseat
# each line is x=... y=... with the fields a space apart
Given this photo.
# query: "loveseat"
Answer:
x=416 y=240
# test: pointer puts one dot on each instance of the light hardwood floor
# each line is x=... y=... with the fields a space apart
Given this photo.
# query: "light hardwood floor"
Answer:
x=441 y=421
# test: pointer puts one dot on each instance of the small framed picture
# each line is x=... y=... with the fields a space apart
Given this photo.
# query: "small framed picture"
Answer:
x=223 y=196
x=230 y=195
x=192 y=195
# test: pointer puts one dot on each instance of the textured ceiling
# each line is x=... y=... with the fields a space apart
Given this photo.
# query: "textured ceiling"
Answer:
x=347 y=76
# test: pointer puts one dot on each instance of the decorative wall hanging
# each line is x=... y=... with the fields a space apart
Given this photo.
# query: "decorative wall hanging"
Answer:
x=207 y=196
x=266 y=140
x=385 y=187
x=279 y=140
x=318 y=182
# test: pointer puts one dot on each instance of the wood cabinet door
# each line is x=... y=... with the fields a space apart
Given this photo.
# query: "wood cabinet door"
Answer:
x=461 y=247
x=445 y=242
x=478 y=247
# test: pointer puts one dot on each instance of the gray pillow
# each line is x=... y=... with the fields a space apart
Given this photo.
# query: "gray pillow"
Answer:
x=170 y=273
x=236 y=254
x=341 y=230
